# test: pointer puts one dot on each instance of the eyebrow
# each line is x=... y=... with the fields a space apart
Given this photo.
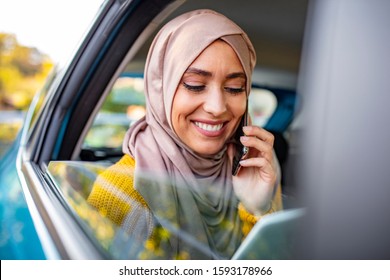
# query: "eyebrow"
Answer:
x=193 y=70
x=197 y=71
x=236 y=75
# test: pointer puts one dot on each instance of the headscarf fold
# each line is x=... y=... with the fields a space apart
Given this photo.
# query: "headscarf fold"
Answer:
x=189 y=192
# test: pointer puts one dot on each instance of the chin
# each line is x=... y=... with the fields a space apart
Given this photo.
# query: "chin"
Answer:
x=207 y=150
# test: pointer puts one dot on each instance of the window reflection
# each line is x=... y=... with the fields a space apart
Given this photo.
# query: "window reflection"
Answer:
x=129 y=238
x=75 y=180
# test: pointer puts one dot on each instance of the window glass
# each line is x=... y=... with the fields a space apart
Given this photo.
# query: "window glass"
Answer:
x=124 y=105
x=124 y=228
x=38 y=102
x=75 y=179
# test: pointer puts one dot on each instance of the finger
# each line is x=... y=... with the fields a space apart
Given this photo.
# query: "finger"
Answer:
x=260 y=133
x=266 y=169
x=262 y=147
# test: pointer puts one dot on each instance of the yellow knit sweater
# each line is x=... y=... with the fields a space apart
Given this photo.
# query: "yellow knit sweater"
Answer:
x=113 y=193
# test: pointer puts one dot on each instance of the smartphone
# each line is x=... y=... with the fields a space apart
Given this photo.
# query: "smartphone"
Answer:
x=241 y=150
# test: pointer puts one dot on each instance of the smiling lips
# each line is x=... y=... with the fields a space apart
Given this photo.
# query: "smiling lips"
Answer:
x=209 y=129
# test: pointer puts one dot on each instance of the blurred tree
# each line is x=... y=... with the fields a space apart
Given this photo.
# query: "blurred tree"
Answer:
x=22 y=72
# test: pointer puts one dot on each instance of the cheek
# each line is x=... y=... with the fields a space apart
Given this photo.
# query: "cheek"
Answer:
x=175 y=113
x=180 y=109
x=238 y=106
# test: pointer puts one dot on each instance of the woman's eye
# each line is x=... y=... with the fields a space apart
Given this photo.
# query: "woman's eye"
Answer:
x=194 y=88
x=233 y=90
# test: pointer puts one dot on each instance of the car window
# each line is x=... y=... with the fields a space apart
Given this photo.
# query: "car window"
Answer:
x=75 y=179
x=76 y=182
x=100 y=145
x=124 y=105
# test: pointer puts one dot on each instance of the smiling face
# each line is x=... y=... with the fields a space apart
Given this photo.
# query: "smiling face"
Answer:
x=210 y=99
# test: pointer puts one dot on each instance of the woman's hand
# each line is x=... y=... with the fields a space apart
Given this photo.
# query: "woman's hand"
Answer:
x=255 y=183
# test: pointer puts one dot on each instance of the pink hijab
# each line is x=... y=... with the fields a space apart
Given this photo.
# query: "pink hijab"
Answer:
x=185 y=191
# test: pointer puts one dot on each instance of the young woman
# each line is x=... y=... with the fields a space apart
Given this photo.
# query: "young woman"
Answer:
x=174 y=190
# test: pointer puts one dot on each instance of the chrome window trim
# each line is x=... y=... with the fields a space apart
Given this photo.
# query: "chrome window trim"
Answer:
x=60 y=234
x=45 y=238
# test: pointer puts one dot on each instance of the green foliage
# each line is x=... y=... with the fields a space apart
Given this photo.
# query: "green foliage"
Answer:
x=22 y=72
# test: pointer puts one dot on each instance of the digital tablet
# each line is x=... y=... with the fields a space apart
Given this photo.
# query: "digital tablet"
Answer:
x=273 y=237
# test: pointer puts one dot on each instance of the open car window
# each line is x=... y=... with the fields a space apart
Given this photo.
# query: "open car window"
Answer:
x=102 y=147
x=124 y=105
x=99 y=146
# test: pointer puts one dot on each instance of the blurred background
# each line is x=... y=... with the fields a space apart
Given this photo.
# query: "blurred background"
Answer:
x=34 y=36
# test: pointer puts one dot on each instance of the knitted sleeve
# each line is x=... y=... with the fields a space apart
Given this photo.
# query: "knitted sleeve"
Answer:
x=250 y=220
x=113 y=192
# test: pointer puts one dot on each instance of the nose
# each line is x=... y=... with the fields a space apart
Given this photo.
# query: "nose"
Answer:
x=215 y=102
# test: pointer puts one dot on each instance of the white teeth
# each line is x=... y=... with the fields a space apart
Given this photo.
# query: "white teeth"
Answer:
x=208 y=127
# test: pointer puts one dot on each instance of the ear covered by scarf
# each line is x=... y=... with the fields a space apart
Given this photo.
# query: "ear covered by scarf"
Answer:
x=186 y=201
